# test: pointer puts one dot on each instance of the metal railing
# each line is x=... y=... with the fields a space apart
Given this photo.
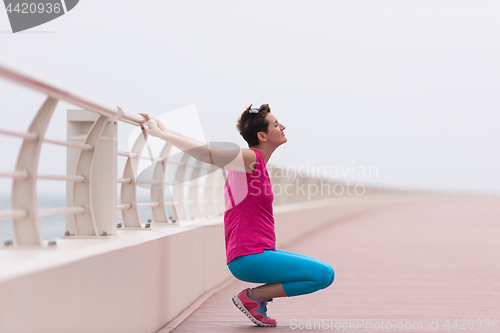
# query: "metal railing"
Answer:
x=24 y=212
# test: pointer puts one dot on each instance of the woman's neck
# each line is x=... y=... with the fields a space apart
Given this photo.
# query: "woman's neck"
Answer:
x=265 y=152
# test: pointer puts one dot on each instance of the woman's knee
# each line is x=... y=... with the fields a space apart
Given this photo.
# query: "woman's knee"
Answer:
x=326 y=276
x=332 y=275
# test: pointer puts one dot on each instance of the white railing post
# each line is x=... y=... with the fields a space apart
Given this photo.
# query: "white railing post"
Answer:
x=217 y=187
x=178 y=190
x=193 y=191
x=158 y=192
x=128 y=196
x=27 y=228
x=100 y=170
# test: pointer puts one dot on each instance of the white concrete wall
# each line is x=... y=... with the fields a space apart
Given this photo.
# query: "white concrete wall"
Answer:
x=141 y=280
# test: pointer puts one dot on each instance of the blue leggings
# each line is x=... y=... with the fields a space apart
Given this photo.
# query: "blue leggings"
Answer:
x=299 y=274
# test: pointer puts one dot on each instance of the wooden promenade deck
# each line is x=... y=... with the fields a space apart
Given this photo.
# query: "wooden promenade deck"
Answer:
x=403 y=265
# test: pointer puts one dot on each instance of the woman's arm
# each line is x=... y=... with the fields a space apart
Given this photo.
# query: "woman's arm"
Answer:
x=242 y=160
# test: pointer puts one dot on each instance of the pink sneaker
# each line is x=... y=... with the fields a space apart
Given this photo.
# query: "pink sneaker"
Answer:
x=255 y=310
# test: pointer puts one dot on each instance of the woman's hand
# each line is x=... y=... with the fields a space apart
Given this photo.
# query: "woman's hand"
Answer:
x=161 y=125
x=158 y=121
x=151 y=127
x=145 y=115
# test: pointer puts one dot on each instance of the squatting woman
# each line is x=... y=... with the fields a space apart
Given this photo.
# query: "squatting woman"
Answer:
x=250 y=239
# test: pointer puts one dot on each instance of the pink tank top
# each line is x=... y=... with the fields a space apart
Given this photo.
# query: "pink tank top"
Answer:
x=248 y=217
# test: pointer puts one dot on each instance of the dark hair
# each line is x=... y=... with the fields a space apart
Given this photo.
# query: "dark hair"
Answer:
x=251 y=123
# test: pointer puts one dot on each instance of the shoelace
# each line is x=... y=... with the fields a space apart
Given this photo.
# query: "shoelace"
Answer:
x=263 y=308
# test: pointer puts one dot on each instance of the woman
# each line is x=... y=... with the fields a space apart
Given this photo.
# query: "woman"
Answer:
x=248 y=220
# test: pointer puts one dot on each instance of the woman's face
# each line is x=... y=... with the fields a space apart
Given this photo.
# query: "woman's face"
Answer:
x=275 y=130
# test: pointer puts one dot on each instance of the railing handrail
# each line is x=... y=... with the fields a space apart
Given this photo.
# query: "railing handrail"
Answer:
x=51 y=88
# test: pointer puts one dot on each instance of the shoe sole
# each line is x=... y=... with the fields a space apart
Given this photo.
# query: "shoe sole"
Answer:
x=240 y=306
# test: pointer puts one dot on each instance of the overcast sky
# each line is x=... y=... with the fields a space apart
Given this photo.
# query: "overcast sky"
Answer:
x=408 y=87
